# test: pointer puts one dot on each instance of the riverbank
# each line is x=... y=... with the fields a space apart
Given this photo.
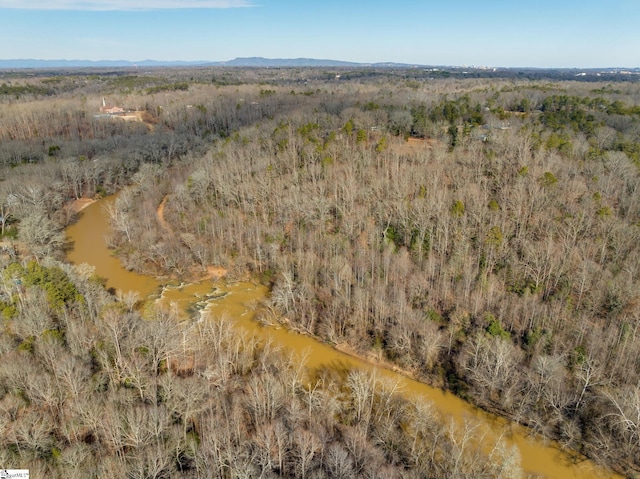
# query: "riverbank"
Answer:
x=236 y=300
x=80 y=204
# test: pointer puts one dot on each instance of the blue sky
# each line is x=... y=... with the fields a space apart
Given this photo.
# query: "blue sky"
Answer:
x=542 y=33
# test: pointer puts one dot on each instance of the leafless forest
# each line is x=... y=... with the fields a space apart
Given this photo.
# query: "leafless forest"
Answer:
x=482 y=234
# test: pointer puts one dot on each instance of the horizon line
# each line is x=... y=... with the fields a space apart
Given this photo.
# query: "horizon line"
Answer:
x=289 y=59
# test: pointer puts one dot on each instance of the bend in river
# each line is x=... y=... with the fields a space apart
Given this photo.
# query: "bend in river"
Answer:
x=238 y=301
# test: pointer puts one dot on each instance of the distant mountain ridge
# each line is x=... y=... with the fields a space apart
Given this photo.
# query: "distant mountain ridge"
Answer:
x=286 y=62
x=236 y=62
x=33 y=63
x=261 y=62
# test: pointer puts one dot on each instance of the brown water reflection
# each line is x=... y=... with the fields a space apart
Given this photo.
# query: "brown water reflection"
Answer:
x=87 y=239
x=238 y=301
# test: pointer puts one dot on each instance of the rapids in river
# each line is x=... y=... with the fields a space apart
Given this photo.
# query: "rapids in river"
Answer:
x=238 y=301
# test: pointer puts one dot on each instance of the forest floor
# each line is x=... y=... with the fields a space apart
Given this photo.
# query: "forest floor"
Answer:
x=413 y=145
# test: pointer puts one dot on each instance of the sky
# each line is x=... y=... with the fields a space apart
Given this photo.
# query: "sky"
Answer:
x=515 y=33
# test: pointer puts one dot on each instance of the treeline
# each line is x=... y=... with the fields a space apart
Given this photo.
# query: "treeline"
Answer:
x=495 y=252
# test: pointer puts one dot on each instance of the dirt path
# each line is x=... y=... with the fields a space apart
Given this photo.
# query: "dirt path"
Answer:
x=160 y=215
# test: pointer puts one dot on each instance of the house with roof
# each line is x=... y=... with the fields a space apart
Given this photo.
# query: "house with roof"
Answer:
x=110 y=110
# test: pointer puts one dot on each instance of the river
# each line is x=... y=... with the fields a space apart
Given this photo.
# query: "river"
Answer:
x=238 y=301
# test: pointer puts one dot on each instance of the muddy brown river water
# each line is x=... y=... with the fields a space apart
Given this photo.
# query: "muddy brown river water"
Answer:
x=237 y=301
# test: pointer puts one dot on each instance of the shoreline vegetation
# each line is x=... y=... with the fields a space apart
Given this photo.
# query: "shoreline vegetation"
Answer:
x=481 y=232
x=313 y=354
